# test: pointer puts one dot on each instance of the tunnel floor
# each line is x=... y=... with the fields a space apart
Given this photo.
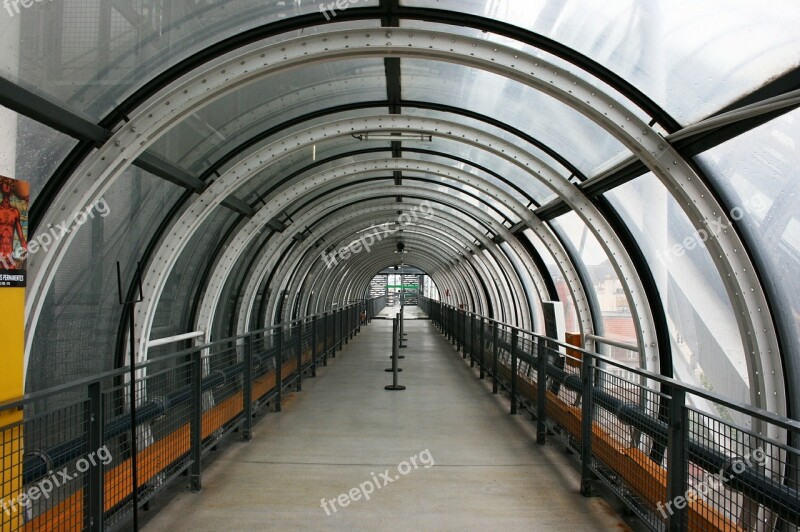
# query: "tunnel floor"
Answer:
x=343 y=432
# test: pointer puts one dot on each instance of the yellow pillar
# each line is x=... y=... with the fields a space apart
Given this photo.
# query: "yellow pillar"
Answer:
x=14 y=218
x=12 y=333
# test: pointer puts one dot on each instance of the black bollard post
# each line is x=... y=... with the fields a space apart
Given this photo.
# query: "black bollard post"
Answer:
x=397 y=326
x=402 y=335
x=395 y=352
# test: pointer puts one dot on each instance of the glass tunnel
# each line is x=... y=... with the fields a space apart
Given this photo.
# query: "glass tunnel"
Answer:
x=583 y=192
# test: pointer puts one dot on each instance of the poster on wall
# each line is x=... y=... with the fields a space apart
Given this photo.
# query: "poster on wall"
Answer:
x=13 y=231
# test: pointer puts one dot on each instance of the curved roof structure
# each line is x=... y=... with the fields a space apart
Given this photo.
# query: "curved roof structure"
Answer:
x=635 y=161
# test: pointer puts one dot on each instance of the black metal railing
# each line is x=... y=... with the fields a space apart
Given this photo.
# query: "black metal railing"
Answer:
x=673 y=452
x=74 y=441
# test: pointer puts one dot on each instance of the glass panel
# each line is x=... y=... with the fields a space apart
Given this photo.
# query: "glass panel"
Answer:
x=616 y=320
x=513 y=173
x=441 y=159
x=257 y=107
x=271 y=175
x=477 y=198
x=691 y=57
x=576 y=138
x=505 y=291
x=300 y=160
x=173 y=312
x=757 y=173
x=532 y=186
x=571 y=323
x=29 y=150
x=706 y=344
x=81 y=314
x=487 y=128
x=89 y=54
x=226 y=316
x=533 y=52
x=531 y=294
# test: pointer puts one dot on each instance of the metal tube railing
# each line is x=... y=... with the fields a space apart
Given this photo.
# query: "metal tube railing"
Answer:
x=688 y=435
x=191 y=388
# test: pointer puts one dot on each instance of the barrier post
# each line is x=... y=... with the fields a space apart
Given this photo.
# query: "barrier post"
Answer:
x=325 y=347
x=495 y=351
x=395 y=353
x=314 y=346
x=482 y=353
x=402 y=335
x=197 y=420
x=587 y=418
x=514 y=338
x=299 y=382
x=676 y=459
x=279 y=370
x=247 y=388
x=94 y=494
x=541 y=391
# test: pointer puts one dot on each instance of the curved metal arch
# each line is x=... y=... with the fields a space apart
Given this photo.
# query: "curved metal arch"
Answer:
x=214 y=51
x=258 y=138
x=306 y=170
x=336 y=228
x=443 y=219
x=268 y=259
x=460 y=275
x=436 y=267
x=757 y=331
x=360 y=275
x=471 y=179
x=395 y=11
x=386 y=253
x=446 y=173
x=436 y=231
x=390 y=190
x=444 y=267
x=360 y=179
x=285 y=271
x=350 y=172
x=201 y=94
x=541 y=279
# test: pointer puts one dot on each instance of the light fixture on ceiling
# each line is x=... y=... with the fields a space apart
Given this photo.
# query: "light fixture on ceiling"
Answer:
x=394 y=137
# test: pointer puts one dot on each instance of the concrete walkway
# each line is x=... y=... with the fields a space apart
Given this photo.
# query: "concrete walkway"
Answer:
x=344 y=431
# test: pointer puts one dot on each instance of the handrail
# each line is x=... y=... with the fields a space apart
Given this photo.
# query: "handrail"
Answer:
x=175 y=339
x=202 y=392
x=683 y=443
x=54 y=390
x=765 y=415
x=613 y=343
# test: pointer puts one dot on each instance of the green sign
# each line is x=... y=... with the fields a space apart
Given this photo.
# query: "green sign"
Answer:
x=404 y=286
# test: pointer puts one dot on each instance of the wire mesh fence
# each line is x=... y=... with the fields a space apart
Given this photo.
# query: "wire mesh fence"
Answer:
x=67 y=454
x=673 y=453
